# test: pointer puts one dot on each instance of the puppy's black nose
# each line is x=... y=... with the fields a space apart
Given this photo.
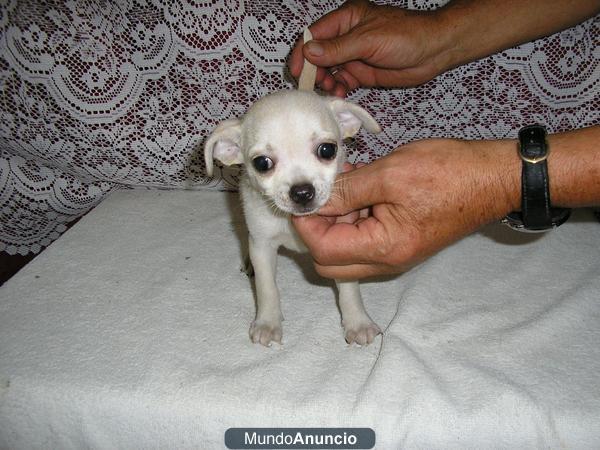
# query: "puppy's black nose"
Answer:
x=302 y=193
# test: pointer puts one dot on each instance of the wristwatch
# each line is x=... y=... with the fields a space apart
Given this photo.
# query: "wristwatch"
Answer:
x=537 y=213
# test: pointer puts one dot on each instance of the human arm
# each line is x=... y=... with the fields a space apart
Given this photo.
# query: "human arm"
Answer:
x=378 y=45
x=429 y=194
x=479 y=28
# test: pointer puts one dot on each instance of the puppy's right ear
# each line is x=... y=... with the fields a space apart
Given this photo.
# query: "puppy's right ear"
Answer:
x=224 y=144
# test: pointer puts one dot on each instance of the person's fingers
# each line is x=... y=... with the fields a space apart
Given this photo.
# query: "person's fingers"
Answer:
x=355 y=190
x=355 y=271
x=348 y=80
x=347 y=167
x=354 y=215
x=340 y=20
x=324 y=79
x=332 y=24
x=339 y=90
x=327 y=82
x=333 y=40
x=341 y=243
x=337 y=86
x=348 y=218
x=334 y=51
x=296 y=59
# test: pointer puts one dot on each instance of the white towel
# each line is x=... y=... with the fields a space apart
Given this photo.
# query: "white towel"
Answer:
x=131 y=331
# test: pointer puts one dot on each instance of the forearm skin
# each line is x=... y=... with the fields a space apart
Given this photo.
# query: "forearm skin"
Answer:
x=474 y=29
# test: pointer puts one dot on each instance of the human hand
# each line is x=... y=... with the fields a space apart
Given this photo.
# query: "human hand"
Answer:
x=422 y=197
x=372 y=45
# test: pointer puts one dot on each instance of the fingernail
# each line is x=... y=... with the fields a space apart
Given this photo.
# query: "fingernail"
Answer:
x=315 y=49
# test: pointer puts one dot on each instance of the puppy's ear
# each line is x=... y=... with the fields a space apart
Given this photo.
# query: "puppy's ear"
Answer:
x=351 y=117
x=224 y=145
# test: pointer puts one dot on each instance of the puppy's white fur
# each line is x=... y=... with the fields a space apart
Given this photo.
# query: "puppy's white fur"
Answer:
x=287 y=127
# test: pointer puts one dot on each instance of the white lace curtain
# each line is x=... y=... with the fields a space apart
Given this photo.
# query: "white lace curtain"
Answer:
x=98 y=95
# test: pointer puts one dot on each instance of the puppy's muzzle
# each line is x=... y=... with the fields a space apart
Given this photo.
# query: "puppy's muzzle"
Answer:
x=302 y=194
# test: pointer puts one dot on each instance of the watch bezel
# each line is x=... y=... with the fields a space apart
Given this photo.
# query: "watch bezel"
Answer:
x=514 y=220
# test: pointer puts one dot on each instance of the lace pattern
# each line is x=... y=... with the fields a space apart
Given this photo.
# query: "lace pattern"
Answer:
x=100 y=95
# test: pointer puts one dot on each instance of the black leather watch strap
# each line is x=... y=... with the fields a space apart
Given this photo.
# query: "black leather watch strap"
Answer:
x=537 y=213
x=535 y=198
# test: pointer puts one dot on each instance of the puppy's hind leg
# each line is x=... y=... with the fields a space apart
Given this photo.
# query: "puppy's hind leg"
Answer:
x=266 y=327
x=358 y=326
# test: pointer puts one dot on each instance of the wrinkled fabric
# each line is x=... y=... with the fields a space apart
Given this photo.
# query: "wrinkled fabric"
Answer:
x=131 y=331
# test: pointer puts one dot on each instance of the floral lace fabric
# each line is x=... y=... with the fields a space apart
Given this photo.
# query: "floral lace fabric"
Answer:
x=100 y=95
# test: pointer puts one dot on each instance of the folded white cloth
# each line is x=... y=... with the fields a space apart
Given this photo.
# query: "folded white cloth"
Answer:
x=131 y=331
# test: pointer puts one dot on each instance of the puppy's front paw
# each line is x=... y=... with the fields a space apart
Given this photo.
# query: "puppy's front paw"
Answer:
x=265 y=331
x=362 y=332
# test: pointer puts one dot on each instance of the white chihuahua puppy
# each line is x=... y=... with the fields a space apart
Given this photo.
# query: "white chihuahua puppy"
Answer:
x=290 y=143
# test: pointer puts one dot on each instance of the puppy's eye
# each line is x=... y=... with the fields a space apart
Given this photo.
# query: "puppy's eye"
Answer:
x=326 y=150
x=262 y=164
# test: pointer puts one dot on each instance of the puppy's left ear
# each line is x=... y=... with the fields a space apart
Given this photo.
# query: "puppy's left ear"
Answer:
x=224 y=144
x=351 y=117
